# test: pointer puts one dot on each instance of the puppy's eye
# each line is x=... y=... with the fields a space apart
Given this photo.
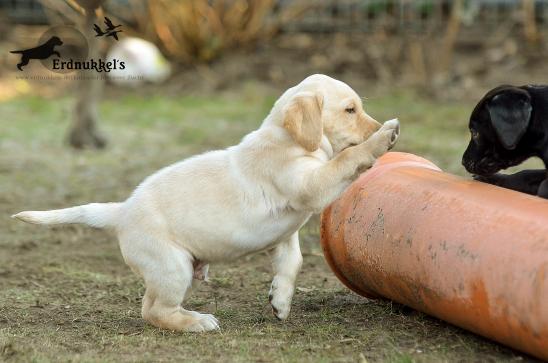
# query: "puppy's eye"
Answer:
x=350 y=110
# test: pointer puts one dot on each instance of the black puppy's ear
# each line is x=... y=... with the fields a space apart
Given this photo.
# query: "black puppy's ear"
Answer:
x=510 y=113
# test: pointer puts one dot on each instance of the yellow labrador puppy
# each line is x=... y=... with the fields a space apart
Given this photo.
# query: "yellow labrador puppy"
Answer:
x=250 y=197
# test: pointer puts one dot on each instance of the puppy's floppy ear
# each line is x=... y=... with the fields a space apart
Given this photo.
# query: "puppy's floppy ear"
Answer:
x=303 y=119
x=510 y=113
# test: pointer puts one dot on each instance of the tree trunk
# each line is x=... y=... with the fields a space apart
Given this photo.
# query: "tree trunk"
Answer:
x=83 y=132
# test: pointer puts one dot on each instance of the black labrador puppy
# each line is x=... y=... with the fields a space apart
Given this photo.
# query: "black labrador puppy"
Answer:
x=509 y=125
x=43 y=51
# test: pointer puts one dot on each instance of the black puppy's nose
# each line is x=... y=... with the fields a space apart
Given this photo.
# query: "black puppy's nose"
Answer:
x=468 y=165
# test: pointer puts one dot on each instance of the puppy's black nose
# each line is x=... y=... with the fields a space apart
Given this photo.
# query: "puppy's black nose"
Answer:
x=468 y=165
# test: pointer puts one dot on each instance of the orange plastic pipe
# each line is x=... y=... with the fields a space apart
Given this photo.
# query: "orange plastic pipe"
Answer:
x=466 y=252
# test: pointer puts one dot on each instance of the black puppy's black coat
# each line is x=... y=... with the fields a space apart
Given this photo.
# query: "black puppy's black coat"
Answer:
x=509 y=125
x=43 y=51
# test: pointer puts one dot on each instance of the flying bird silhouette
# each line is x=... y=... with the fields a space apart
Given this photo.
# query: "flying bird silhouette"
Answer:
x=110 y=31
x=110 y=25
x=98 y=31
x=114 y=34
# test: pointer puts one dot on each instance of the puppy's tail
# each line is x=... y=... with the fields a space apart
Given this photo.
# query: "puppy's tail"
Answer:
x=16 y=51
x=98 y=215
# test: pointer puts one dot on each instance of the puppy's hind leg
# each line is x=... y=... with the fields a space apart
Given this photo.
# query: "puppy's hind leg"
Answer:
x=200 y=274
x=168 y=273
x=24 y=62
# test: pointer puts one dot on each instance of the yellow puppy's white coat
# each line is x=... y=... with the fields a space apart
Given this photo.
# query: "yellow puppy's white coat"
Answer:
x=253 y=196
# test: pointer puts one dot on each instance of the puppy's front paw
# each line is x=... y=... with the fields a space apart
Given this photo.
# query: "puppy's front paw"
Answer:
x=494 y=179
x=391 y=128
x=384 y=139
x=280 y=295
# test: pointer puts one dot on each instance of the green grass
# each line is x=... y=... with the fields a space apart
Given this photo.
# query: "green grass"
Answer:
x=67 y=296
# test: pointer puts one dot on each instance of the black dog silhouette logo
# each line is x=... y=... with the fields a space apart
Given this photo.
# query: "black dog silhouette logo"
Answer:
x=56 y=45
x=110 y=31
x=43 y=51
x=72 y=52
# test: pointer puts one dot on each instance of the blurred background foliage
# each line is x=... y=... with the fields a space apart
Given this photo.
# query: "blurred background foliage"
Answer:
x=446 y=48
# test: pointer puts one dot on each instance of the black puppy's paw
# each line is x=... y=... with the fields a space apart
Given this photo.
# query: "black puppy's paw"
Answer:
x=526 y=181
x=490 y=179
x=543 y=190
